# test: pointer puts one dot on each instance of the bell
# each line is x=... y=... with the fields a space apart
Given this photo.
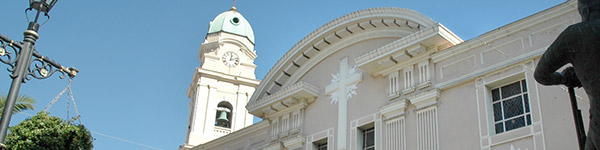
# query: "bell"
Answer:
x=222 y=121
x=223 y=117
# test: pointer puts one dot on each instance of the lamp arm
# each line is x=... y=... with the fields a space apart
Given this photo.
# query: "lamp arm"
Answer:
x=43 y=67
x=9 y=51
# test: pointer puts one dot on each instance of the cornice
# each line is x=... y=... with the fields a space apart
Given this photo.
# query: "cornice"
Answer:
x=295 y=142
x=336 y=30
x=279 y=109
x=425 y=99
x=218 y=76
x=372 y=34
x=193 y=86
x=226 y=77
x=274 y=146
x=298 y=91
x=245 y=49
x=232 y=34
x=372 y=61
x=236 y=135
x=506 y=30
x=490 y=69
x=394 y=109
x=402 y=43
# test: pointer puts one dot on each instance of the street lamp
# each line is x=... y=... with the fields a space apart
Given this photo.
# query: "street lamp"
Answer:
x=18 y=55
x=42 y=5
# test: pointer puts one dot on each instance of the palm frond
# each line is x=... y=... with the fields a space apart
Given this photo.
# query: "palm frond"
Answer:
x=23 y=103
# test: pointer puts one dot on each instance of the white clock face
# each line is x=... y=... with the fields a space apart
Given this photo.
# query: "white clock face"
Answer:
x=230 y=59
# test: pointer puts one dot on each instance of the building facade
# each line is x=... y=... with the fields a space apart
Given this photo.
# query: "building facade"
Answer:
x=394 y=79
x=224 y=82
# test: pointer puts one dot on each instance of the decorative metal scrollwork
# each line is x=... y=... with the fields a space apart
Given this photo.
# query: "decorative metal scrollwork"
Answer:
x=43 y=67
x=9 y=51
x=40 y=67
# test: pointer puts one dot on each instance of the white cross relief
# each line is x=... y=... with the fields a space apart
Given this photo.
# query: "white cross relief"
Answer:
x=343 y=86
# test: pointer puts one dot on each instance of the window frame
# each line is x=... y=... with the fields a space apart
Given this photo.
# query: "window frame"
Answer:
x=318 y=144
x=525 y=103
x=364 y=140
x=322 y=145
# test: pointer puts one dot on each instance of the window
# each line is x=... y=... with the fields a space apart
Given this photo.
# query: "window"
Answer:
x=320 y=144
x=368 y=139
x=510 y=104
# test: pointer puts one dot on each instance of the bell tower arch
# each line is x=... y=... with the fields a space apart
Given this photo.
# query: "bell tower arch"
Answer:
x=224 y=81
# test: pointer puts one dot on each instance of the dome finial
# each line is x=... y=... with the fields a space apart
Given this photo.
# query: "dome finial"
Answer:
x=233 y=8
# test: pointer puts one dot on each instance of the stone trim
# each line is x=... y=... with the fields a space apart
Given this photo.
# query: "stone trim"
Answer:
x=293 y=143
x=427 y=128
x=407 y=42
x=218 y=76
x=425 y=99
x=481 y=72
x=327 y=134
x=300 y=90
x=506 y=30
x=424 y=84
x=394 y=109
x=408 y=90
x=226 y=77
x=394 y=134
x=274 y=146
x=243 y=46
x=233 y=136
x=343 y=27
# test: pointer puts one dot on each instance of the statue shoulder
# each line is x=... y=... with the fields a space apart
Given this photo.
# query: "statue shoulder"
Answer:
x=572 y=32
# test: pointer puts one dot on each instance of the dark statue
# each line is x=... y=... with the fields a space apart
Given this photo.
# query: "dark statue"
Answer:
x=578 y=45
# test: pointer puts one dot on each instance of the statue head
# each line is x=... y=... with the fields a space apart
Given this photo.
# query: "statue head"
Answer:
x=589 y=9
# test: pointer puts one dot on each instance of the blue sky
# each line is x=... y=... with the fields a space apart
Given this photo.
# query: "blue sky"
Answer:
x=137 y=57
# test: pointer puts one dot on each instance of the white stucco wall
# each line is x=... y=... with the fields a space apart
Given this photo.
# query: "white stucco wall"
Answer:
x=463 y=74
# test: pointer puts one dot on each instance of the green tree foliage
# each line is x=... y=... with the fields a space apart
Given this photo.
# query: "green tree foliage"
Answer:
x=23 y=103
x=43 y=132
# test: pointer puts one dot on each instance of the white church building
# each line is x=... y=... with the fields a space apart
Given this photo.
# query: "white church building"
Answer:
x=386 y=79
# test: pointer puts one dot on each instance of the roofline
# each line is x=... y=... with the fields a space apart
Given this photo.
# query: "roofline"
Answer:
x=318 y=39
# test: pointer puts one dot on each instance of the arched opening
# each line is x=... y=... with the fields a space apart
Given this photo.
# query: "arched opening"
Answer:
x=223 y=115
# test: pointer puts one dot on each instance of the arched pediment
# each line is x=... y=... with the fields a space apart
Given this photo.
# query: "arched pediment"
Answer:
x=344 y=31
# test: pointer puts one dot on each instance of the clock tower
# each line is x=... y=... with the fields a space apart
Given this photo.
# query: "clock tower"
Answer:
x=224 y=82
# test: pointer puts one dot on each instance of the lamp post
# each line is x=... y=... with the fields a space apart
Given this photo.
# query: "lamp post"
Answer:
x=18 y=55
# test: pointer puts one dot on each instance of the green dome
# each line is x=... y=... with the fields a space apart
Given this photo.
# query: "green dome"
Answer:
x=232 y=22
